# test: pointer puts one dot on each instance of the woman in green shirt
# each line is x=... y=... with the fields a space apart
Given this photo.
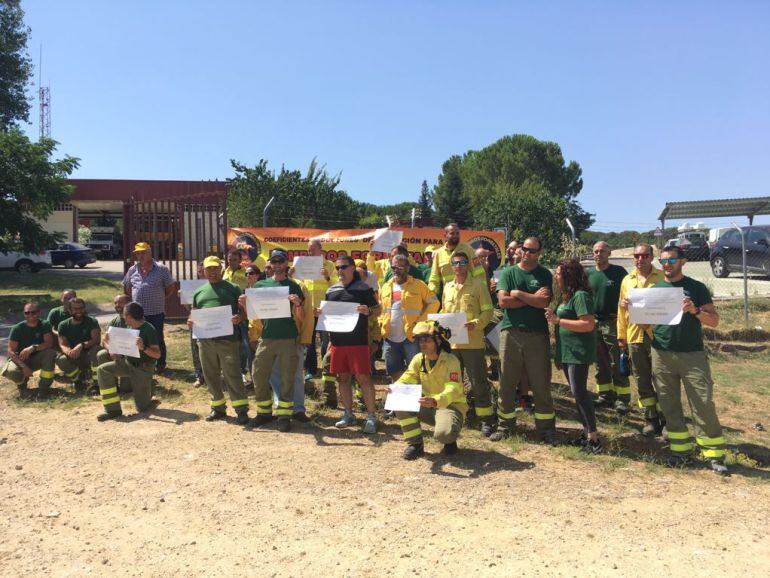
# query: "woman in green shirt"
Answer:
x=575 y=323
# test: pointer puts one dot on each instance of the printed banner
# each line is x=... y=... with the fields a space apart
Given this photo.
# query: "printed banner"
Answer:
x=355 y=242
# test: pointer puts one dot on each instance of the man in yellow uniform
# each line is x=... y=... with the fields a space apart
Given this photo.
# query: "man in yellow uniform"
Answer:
x=442 y=401
x=441 y=269
x=637 y=339
x=236 y=275
x=464 y=294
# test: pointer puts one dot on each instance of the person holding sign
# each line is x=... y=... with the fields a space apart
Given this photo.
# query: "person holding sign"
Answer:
x=576 y=343
x=278 y=343
x=119 y=302
x=465 y=294
x=220 y=356
x=524 y=292
x=679 y=359
x=138 y=369
x=443 y=400
x=441 y=269
x=349 y=352
x=637 y=339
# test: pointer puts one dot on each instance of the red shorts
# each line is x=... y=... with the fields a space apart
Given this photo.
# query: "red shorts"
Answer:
x=350 y=359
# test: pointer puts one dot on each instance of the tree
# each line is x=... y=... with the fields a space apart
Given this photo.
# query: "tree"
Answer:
x=425 y=203
x=32 y=184
x=452 y=205
x=15 y=65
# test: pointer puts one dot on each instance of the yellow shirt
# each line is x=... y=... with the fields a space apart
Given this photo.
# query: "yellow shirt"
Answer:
x=473 y=299
x=632 y=332
x=441 y=271
x=416 y=302
x=237 y=277
x=442 y=382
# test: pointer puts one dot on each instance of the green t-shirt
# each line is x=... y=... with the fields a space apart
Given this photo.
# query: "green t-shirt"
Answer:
x=688 y=335
x=424 y=269
x=27 y=335
x=57 y=315
x=77 y=333
x=150 y=337
x=571 y=346
x=526 y=317
x=217 y=295
x=284 y=327
x=606 y=287
x=117 y=321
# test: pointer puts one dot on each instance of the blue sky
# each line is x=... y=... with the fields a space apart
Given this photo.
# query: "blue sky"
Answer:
x=657 y=101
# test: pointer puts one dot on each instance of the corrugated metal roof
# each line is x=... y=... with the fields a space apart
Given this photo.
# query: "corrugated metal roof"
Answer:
x=746 y=207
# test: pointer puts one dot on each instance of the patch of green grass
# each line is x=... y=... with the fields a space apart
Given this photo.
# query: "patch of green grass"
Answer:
x=732 y=317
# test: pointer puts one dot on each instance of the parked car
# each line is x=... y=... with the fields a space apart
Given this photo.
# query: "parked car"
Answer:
x=726 y=255
x=71 y=254
x=694 y=245
x=25 y=262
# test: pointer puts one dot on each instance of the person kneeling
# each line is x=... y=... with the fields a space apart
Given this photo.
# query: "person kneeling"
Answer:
x=139 y=370
x=443 y=400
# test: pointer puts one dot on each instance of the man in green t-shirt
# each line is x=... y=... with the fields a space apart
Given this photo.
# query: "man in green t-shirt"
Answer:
x=62 y=312
x=30 y=348
x=524 y=291
x=277 y=345
x=138 y=369
x=605 y=279
x=679 y=358
x=221 y=356
x=119 y=302
x=79 y=339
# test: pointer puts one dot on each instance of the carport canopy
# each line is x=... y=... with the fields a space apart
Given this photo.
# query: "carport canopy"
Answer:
x=746 y=207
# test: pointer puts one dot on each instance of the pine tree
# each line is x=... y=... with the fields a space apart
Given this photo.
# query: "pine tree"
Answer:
x=425 y=202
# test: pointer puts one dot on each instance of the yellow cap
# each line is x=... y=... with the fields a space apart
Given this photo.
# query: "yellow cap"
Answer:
x=212 y=261
x=141 y=247
x=429 y=249
x=359 y=262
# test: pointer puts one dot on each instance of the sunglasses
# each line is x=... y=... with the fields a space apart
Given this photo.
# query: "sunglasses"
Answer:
x=277 y=261
x=250 y=273
x=642 y=255
x=458 y=263
x=341 y=267
x=32 y=313
x=670 y=261
x=530 y=250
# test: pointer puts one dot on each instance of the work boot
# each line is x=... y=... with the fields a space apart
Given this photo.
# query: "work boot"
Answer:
x=652 y=427
x=592 y=447
x=301 y=416
x=719 y=467
x=677 y=462
x=242 y=418
x=284 y=425
x=549 y=438
x=606 y=399
x=412 y=452
x=488 y=428
x=449 y=449
x=215 y=415
x=499 y=435
x=621 y=407
x=108 y=415
x=260 y=419
x=23 y=389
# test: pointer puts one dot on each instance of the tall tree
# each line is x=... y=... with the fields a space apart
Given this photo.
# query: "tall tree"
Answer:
x=32 y=183
x=452 y=205
x=425 y=202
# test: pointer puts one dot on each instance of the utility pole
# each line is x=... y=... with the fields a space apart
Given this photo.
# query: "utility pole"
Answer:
x=44 y=97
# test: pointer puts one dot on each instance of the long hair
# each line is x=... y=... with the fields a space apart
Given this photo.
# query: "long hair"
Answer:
x=573 y=277
x=348 y=260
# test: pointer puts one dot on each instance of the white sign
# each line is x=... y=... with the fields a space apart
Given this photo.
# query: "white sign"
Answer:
x=337 y=316
x=308 y=268
x=658 y=232
x=655 y=306
x=386 y=239
x=211 y=322
x=404 y=397
x=455 y=322
x=496 y=274
x=187 y=288
x=494 y=336
x=268 y=302
x=123 y=341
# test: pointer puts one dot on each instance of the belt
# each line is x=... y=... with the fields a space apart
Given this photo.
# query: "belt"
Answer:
x=525 y=330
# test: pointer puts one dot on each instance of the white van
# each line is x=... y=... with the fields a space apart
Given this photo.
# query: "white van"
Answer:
x=25 y=262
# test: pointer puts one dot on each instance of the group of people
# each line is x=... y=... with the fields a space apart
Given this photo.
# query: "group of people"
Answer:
x=587 y=309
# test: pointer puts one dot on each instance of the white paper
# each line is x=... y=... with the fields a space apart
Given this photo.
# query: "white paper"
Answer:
x=386 y=239
x=655 y=306
x=404 y=397
x=494 y=336
x=187 y=288
x=496 y=274
x=455 y=322
x=268 y=302
x=211 y=322
x=123 y=341
x=308 y=268
x=337 y=316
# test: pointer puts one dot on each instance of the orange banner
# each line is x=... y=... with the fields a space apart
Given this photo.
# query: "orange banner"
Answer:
x=355 y=242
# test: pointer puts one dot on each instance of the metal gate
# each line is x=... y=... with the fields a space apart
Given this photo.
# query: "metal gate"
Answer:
x=181 y=230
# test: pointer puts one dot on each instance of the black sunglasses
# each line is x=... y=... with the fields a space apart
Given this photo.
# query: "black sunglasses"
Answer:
x=251 y=272
x=458 y=263
x=341 y=267
x=32 y=312
x=530 y=250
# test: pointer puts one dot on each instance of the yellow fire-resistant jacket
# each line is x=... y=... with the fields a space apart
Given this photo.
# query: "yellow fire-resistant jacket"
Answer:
x=632 y=332
x=305 y=328
x=318 y=288
x=442 y=382
x=473 y=299
x=417 y=301
x=441 y=271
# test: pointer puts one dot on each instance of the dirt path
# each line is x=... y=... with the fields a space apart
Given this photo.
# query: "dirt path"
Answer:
x=174 y=495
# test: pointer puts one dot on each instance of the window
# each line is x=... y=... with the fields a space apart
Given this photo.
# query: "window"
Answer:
x=755 y=235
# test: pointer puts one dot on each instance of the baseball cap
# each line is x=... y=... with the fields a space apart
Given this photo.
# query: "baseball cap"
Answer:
x=141 y=247
x=212 y=261
x=279 y=254
x=429 y=249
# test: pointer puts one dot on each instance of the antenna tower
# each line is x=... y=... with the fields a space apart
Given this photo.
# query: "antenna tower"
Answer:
x=44 y=97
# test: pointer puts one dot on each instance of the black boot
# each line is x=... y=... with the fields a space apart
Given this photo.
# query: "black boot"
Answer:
x=215 y=415
x=242 y=417
x=108 y=415
x=260 y=419
x=488 y=428
x=412 y=452
x=449 y=449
